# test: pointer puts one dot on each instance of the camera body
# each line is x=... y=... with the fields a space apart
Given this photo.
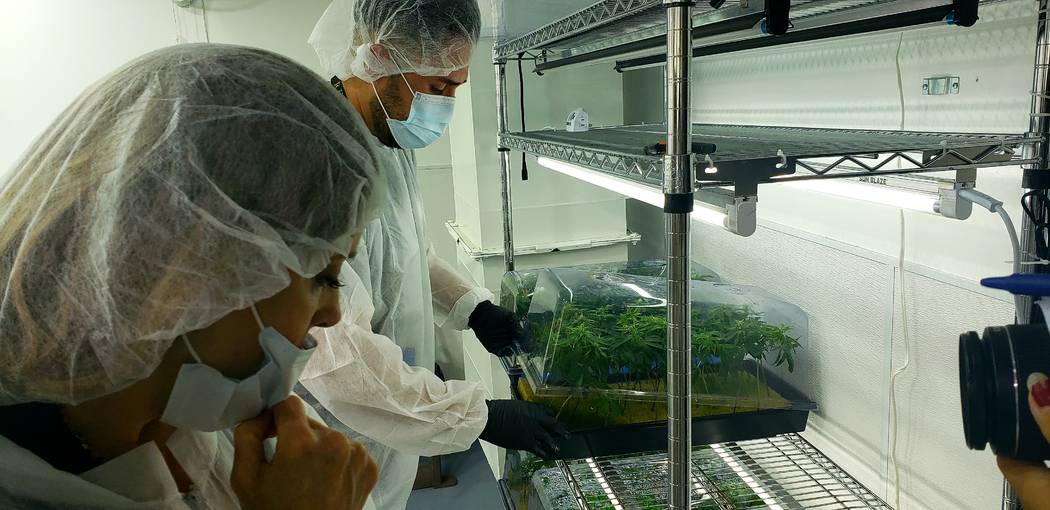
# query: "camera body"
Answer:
x=993 y=375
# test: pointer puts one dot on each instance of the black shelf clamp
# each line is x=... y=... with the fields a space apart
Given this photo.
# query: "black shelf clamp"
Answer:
x=964 y=13
x=1036 y=178
x=521 y=92
x=778 y=17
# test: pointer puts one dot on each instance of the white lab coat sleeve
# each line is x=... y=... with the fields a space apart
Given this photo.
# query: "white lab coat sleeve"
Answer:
x=454 y=297
x=360 y=377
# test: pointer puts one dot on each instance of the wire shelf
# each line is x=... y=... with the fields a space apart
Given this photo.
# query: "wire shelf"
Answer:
x=600 y=14
x=615 y=27
x=766 y=154
x=782 y=472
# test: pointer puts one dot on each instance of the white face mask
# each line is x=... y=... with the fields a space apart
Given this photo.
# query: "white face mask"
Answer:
x=428 y=119
x=205 y=400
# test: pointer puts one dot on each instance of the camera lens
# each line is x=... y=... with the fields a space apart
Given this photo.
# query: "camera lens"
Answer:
x=993 y=375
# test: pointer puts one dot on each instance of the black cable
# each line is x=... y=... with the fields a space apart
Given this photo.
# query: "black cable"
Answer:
x=1026 y=204
x=1040 y=218
x=521 y=91
x=1042 y=236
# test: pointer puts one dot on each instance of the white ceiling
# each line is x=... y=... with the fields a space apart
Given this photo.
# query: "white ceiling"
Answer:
x=504 y=19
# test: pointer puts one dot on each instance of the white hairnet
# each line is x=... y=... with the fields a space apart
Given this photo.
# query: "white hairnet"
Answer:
x=181 y=187
x=426 y=37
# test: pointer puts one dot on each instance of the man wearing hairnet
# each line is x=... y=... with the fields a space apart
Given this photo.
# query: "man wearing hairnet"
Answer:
x=399 y=63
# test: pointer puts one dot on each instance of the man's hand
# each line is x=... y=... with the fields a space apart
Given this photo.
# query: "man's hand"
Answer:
x=495 y=326
x=521 y=425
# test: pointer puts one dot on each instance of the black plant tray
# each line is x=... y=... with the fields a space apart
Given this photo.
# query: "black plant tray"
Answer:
x=649 y=437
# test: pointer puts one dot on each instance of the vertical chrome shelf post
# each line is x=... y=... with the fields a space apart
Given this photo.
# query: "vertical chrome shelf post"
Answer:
x=504 y=162
x=678 y=204
x=1039 y=127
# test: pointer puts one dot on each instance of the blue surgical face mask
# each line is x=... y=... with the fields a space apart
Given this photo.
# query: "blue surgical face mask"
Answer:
x=204 y=399
x=428 y=118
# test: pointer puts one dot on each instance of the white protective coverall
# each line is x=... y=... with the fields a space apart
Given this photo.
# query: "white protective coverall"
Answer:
x=411 y=289
x=414 y=413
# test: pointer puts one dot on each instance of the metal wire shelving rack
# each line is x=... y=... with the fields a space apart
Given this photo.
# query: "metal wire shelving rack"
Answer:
x=784 y=472
x=637 y=28
x=768 y=154
x=673 y=32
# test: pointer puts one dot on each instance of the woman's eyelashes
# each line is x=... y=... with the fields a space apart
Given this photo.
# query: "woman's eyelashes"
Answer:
x=330 y=281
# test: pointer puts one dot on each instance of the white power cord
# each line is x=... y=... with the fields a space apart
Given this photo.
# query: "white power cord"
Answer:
x=903 y=305
x=996 y=206
x=900 y=79
x=899 y=371
x=992 y=205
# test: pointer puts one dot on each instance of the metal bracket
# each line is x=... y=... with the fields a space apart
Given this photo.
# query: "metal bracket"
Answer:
x=940 y=85
x=741 y=209
x=948 y=202
x=950 y=205
x=742 y=215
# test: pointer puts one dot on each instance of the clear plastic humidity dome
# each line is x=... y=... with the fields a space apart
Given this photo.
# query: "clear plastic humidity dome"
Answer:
x=517 y=286
x=596 y=349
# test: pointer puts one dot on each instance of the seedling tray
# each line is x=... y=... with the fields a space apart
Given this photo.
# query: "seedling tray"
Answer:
x=652 y=436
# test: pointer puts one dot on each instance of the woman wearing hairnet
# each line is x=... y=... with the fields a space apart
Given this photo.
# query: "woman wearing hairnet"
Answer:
x=166 y=248
x=399 y=63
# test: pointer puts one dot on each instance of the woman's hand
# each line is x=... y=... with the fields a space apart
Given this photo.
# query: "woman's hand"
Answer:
x=314 y=466
x=1031 y=480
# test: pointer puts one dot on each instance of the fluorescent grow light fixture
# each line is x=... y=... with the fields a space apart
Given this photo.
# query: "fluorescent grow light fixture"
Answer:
x=613 y=499
x=746 y=477
x=703 y=212
x=870 y=193
x=945 y=202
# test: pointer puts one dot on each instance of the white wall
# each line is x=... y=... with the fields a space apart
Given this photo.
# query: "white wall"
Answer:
x=276 y=25
x=837 y=258
x=53 y=49
x=549 y=207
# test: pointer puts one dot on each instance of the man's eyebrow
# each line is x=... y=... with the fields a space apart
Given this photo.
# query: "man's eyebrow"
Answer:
x=449 y=81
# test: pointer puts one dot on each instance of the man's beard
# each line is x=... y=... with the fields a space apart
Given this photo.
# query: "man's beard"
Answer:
x=391 y=99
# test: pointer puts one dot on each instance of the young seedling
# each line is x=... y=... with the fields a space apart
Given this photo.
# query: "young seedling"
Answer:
x=617 y=342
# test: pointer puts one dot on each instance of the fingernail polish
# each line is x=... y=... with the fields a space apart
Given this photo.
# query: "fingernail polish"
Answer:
x=1039 y=387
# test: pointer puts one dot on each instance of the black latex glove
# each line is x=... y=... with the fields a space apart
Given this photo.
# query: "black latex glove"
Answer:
x=495 y=326
x=522 y=425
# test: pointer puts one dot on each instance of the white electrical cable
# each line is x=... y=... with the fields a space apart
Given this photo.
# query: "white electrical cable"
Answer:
x=996 y=206
x=900 y=79
x=899 y=371
x=1012 y=231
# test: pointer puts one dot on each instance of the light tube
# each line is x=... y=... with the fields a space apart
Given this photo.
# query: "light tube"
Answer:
x=645 y=294
x=870 y=193
x=746 y=478
x=702 y=212
x=615 y=501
